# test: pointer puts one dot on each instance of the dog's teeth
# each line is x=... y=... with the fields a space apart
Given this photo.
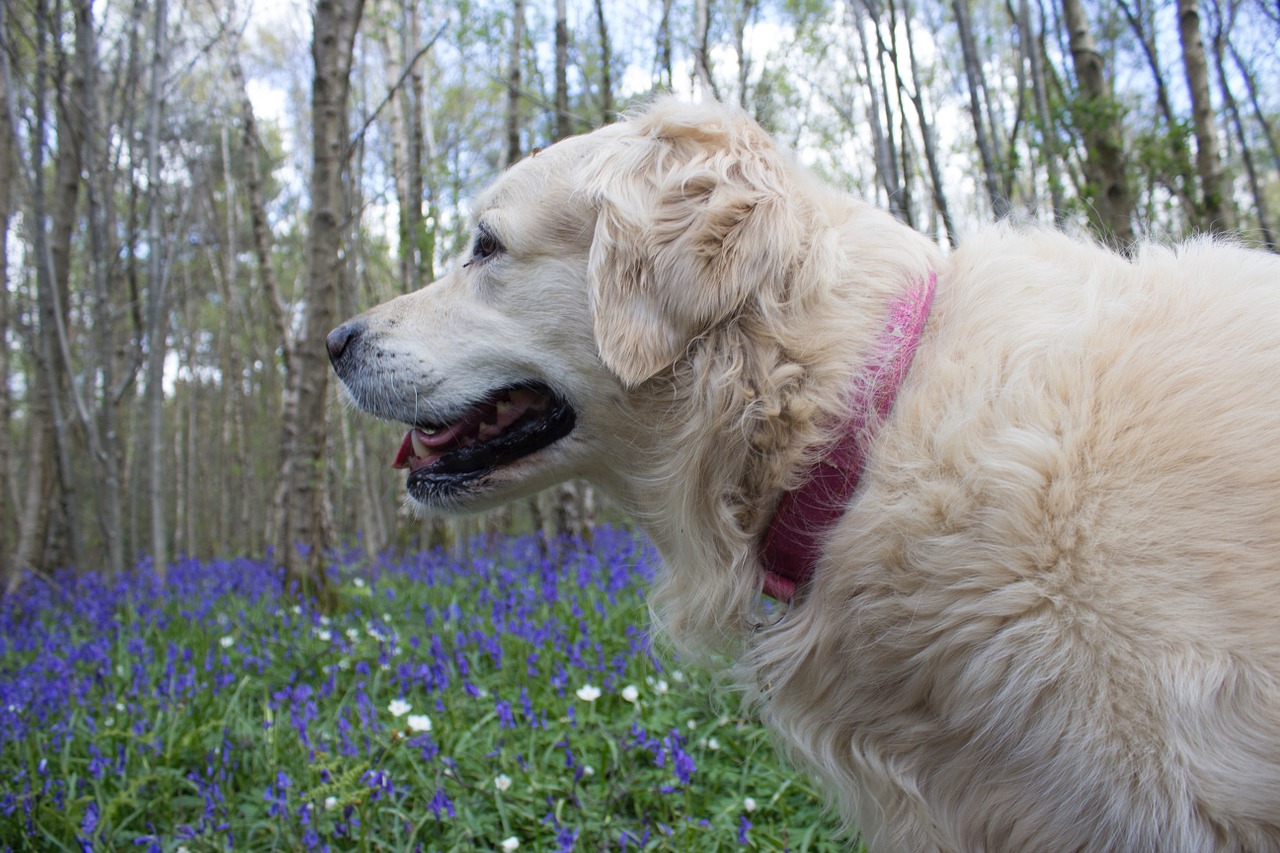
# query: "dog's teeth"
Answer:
x=419 y=447
x=431 y=430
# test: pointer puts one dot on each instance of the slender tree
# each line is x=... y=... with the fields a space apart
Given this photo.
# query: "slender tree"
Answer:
x=1099 y=119
x=303 y=536
x=606 y=65
x=564 y=120
x=8 y=498
x=514 y=149
x=1034 y=56
x=1215 y=212
x=976 y=81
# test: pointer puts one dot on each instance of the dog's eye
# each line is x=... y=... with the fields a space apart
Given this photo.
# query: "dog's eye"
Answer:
x=486 y=246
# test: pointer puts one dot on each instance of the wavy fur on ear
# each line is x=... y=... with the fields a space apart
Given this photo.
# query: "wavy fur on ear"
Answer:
x=714 y=270
x=694 y=218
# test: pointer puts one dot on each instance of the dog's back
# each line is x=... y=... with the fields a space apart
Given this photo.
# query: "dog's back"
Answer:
x=1059 y=594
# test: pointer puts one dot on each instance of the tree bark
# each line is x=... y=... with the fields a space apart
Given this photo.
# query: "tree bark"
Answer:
x=1215 y=213
x=1182 y=181
x=514 y=149
x=666 y=79
x=1232 y=108
x=860 y=15
x=704 y=84
x=302 y=538
x=928 y=135
x=976 y=81
x=564 y=122
x=100 y=430
x=1031 y=50
x=1098 y=118
x=156 y=305
x=8 y=506
x=606 y=65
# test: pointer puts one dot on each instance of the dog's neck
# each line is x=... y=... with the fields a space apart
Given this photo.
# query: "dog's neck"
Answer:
x=793 y=542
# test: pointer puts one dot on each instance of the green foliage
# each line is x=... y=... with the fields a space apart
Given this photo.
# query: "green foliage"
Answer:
x=445 y=706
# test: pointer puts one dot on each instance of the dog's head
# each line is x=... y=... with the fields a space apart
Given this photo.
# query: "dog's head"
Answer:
x=594 y=267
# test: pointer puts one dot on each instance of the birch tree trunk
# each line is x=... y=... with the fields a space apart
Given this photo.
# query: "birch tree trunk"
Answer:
x=302 y=538
x=666 y=80
x=1215 y=214
x=976 y=81
x=8 y=494
x=564 y=123
x=860 y=15
x=1031 y=50
x=100 y=425
x=156 y=307
x=606 y=65
x=928 y=136
x=1100 y=122
x=514 y=81
x=1182 y=180
x=704 y=84
x=1232 y=108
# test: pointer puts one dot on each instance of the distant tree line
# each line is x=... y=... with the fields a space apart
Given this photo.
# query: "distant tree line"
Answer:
x=172 y=259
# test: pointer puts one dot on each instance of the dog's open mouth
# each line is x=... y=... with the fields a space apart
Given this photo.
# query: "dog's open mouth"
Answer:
x=507 y=425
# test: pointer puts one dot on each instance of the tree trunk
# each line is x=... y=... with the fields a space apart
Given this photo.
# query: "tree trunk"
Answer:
x=703 y=82
x=1099 y=118
x=1031 y=49
x=401 y=162
x=606 y=66
x=53 y=259
x=1182 y=181
x=741 y=18
x=1232 y=107
x=100 y=430
x=860 y=15
x=927 y=135
x=8 y=504
x=666 y=79
x=302 y=531
x=564 y=123
x=1215 y=212
x=976 y=81
x=156 y=306
x=1259 y=114
x=514 y=149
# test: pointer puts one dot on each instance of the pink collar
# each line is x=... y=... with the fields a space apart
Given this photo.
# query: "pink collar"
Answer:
x=794 y=540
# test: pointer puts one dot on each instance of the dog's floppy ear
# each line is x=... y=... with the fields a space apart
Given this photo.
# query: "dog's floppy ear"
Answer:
x=694 y=218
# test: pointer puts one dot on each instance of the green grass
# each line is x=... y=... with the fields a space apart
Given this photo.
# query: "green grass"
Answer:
x=214 y=713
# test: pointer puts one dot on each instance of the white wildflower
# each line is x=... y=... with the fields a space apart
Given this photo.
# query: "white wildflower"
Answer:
x=661 y=687
x=330 y=803
x=713 y=744
x=510 y=845
x=227 y=641
x=748 y=804
x=631 y=693
x=503 y=782
x=587 y=693
x=419 y=722
x=399 y=707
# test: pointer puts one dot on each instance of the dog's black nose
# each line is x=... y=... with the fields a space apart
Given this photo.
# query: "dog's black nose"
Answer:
x=340 y=339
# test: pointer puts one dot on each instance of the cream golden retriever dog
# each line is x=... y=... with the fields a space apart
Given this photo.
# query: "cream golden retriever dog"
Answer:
x=1045 y=618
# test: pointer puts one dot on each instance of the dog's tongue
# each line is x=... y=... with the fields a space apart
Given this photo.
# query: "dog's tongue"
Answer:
x=485 y=420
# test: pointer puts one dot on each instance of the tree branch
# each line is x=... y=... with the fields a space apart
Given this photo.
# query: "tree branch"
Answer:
x=391 y=93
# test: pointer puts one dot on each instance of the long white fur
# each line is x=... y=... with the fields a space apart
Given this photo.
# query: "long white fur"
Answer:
x=1050 y=618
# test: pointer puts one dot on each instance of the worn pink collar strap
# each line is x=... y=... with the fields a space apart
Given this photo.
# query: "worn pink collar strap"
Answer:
x=794 y=540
